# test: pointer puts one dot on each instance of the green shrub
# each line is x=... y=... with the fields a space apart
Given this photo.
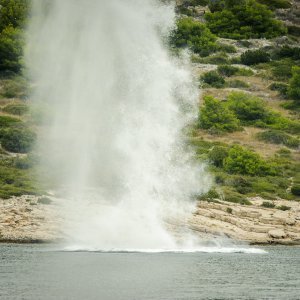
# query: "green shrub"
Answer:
x=253 y=57
x=287 y=52
x=282 y=88
x=6 y=121
x=275 y=4
x=296 y=190
x=284 y=207
x=215 y=116
x=213 y=79
x=246 y=107
x=232 y=196
x=229 y=210
x=220 y=58
x=227 y=70
x=243 y=19
x=246 y=162
x=268 y=204
x=294 y=84
x=294 y=30
x=13 y=13
x=217 y=155
x=238 y=84
x=18 y=109
x=282 y=69
x=211 y=194
x=11 y=50
x=18 y=140
x=15 y=88
x=194 y=35
x=278 y=137
x=244 y=72
x=241 y=184
x=227 y=48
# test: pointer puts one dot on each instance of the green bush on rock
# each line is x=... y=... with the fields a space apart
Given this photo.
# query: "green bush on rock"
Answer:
x=253 y=57
x=213 y=79
x=194 y=35
x=216 y=117
x=243 y=19
x=294 y=87
x=246 y=162
x=18 y=140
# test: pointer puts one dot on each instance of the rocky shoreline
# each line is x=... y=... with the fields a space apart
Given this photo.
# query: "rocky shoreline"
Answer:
x=30 y=219
x=253 y=224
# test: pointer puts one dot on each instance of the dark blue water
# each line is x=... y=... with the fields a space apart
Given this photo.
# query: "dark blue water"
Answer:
x=33 y=272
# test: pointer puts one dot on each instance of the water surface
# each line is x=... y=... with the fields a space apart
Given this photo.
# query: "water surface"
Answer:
x=36 y=272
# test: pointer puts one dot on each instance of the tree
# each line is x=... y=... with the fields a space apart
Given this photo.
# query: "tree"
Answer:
x=13 y=13
x=246 y=162
x=215 y=116
x=11 y=49
x=247 y=108
x=244 y=19
x=194 y=35
x=294 y=86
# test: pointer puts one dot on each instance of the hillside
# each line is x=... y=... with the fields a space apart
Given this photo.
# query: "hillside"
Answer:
x=246 y=58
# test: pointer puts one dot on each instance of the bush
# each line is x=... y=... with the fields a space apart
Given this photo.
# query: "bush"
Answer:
x=217 y=156
x=17 y=140
x=278 y=137
x=296 y=190
x=216 y=117
x=282 y=88
x=275 y=4
x=284 y=207
x=227 y=70
x=16 y=109
x=220 y=58
x=6 y=121
x=282 y=70
x=253 y=57
x=229 y=210
x=213 y=79
x=244 y=72
x=234 y=197
x=11 y=50
x=211 y=194
x=194 y=35
x=13 y=13
x=246 y=162
x=294 y=84
x=15 y=88
x=227 y=48
x=247 y=108
x=268 y=204
x=287 y=52
x=243 y=20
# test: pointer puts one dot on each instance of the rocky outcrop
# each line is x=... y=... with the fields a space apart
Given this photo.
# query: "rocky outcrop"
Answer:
x=253 y=224
x=29 y=219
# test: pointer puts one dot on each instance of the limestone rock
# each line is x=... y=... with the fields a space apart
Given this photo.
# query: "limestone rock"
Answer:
x=277 y=234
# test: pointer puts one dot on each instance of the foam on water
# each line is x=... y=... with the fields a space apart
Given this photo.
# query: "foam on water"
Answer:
x=245 y=250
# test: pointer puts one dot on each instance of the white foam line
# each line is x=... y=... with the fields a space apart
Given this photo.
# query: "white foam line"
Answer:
x=193 y=250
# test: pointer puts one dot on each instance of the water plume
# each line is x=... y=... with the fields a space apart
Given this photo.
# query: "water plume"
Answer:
x=117 y=103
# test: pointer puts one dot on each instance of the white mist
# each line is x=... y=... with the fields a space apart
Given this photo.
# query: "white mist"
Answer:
x=117 y=103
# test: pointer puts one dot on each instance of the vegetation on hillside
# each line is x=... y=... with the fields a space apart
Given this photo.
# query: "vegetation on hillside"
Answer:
x=250 y=86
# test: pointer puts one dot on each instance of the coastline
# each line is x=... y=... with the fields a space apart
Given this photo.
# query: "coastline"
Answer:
x=28 y=220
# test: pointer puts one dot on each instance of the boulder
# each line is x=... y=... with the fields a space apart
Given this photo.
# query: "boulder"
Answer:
x=277 y=234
